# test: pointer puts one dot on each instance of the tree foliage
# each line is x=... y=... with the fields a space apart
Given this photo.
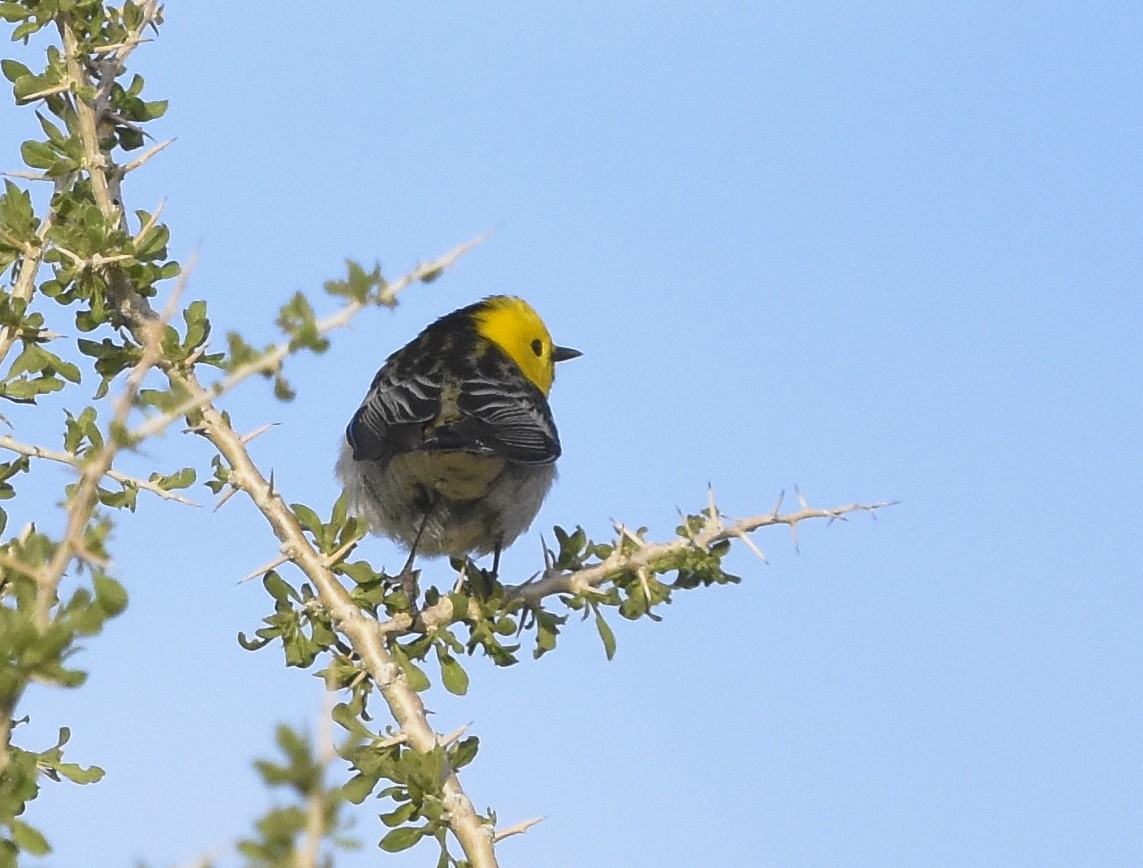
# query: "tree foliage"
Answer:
x=82 y=251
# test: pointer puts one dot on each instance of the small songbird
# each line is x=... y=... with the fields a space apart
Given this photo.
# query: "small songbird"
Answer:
x=454 y=447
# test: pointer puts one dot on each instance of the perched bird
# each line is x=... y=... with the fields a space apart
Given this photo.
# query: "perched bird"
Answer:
x=454 y=447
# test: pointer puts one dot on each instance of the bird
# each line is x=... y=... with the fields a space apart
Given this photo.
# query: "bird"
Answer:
x=454 y=447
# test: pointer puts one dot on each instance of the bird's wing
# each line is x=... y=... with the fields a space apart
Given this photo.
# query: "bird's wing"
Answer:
x=394 y=413
x=508 y=418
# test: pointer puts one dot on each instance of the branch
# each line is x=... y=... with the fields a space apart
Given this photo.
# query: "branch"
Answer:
x=577 y=582
x=84 y=500
x=25 y=285
x=715 y=531
x=363 y=632
x=75 y=461
x=272 y=358
x=316 y=823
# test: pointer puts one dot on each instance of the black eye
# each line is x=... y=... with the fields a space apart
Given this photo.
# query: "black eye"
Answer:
x=538 y=347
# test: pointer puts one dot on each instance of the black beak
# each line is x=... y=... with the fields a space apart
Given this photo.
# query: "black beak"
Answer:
x=563 y=354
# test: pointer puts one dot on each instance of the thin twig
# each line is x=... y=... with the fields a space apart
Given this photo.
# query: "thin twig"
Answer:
x=84 y=499
x=272 y=358
x=25 y=286
x=75 y=461
x=17 y=566
x=317 y=822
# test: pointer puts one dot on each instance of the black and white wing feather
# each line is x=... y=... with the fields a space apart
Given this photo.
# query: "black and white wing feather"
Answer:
x=495 y=412
x=506 y=417
x=394 y=414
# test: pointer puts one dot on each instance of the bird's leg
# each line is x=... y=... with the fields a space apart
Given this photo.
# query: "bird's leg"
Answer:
x=408 y=575
x=496 y=561
x=488 y=577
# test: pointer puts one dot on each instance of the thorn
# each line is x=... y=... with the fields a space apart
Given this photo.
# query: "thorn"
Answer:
x=198 y=353
x=778 y=505
x=518 y=829
x=246 y=438
x=150 y=224
x=270 y=489
x=622 y=530
x=139 y=161
x=233 y=491
x=794 y=536
x=461 y=575
x=714 y=518
x=391 y=739
x=345 y=549
x=27 y=176
x=745 y=537
x=642 y=573
x=455 y=736
x=265 y=568
x=549 y=555
x=801 y=498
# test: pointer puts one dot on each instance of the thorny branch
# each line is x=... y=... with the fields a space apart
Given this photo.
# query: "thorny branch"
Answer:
x=316 y=827
x=272 y=358
x=474 y=835
x=83 y=501
x=33 y=451
x=553 y=581
x=715 y=531
x=25 y=285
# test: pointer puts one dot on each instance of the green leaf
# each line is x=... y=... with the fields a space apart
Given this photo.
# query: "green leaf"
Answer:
x=278 y=588
x=464 y=752
x=254 y=644
x=154 y=109
x=606 y=635
x=54 y=134
x=28 y=839
x=346 y=717
x=452 y=673
x=109 y=594
x=16 y=213
x=459 y=606
x=198 y=326
x=308 y=519
x=38 y=155
x=358 y=788
x=413 y=673
x=182 y=479
x=402 y=814
x=13 y=69
x=25 y=391
x=23 y=31
x=78 y=774
x=402 y=839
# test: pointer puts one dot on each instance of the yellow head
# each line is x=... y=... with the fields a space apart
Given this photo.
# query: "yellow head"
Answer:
x=513 y=325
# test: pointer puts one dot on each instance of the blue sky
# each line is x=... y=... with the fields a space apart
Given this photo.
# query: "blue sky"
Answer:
x=876 y=251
